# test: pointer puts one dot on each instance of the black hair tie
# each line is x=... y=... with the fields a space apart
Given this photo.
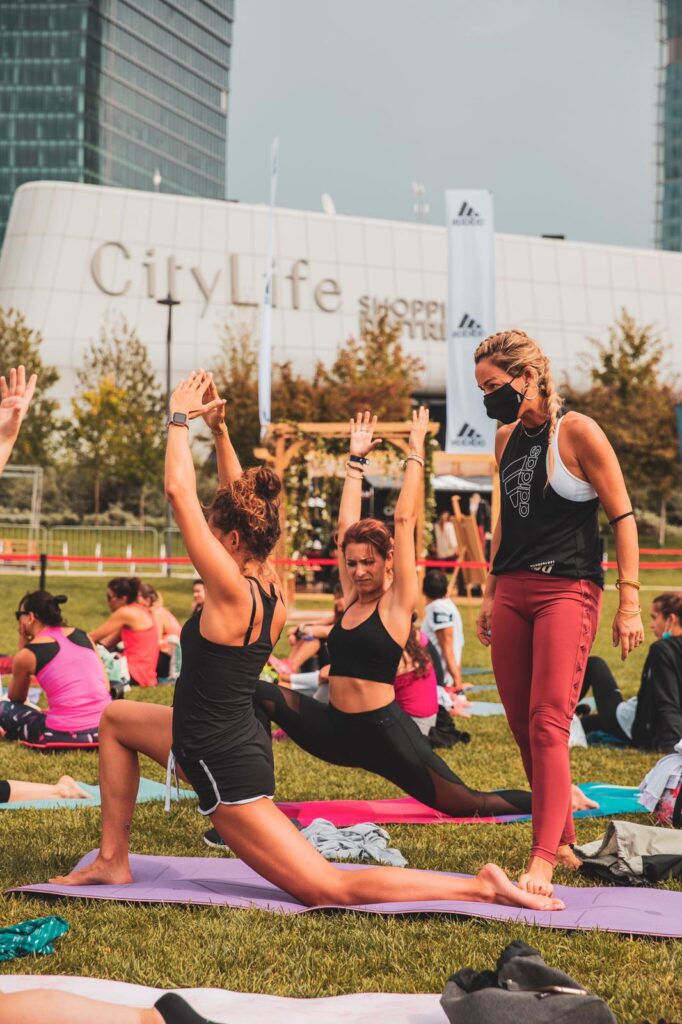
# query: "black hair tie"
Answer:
x=617 y=519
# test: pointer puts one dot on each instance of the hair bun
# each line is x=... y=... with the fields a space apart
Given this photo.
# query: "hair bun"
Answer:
x=267 y=484
x=60 y=599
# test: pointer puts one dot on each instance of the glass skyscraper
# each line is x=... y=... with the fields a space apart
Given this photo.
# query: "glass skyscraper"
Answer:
x=669 y=227
x=110 y=92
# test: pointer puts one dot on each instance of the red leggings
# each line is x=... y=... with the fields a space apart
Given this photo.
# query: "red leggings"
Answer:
x=542 y=632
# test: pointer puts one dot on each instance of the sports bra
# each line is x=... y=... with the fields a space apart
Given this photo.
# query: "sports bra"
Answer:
x=367 y=651
x=566 y=484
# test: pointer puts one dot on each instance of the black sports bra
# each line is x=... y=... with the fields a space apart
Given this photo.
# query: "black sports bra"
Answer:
x=366 y=651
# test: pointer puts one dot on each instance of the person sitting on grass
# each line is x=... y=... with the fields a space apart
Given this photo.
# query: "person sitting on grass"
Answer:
x=131 y=624
x=653 y=719
x=443 y=626
x=65 y=664
x=198 y=596
x=167 y=625
x=308 y=641
x=39 y=1005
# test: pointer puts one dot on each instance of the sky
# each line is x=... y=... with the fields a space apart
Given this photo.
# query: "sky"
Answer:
x=550 y=104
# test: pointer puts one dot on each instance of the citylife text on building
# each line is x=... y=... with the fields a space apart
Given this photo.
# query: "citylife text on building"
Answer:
x=74 y=254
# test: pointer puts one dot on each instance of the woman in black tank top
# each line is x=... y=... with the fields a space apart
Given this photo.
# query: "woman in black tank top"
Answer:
x=217 y=742
x=363 y=726
x=542 y=598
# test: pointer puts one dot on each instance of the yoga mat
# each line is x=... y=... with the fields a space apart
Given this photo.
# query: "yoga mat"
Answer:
x=149 y=790
x=476 y=671
x=484 y=708
x=481 y=688
x=247 y=1007
x=612 y=800
x=222 y=881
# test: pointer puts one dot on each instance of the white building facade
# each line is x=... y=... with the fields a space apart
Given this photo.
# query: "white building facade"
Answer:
x=75 y=254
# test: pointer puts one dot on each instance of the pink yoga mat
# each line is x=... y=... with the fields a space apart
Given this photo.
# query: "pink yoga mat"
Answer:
x=223 y=881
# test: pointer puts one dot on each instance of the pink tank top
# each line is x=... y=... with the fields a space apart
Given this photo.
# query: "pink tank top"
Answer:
x=75 y=685
x=417 y=695
x=141 y=648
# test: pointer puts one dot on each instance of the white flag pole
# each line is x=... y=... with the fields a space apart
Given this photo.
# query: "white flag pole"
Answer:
x=471 y=316
x=265 y=354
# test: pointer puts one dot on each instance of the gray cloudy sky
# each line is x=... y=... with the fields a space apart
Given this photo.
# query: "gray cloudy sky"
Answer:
x=548 y=103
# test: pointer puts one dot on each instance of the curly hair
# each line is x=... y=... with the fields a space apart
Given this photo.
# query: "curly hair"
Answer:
x=512 y=351
x=669 y=603
x=250 y=505
x=369 y=531
x=415 y=653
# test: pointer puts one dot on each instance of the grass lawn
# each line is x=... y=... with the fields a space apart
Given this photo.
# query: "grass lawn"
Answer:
x=316 y=954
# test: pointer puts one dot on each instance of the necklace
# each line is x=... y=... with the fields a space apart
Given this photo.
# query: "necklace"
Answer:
x=537 y=432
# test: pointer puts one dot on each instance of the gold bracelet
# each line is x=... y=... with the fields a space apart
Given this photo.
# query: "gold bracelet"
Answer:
x=629 y=613
x=413 y=458
x=629 y=583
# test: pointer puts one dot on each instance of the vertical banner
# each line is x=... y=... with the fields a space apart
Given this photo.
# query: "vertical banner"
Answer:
x=471 y=316
x=265 y=353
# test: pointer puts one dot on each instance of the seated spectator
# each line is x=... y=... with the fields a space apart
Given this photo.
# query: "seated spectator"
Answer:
x=131 y=624
x=445 y=538
x=443 y=627
x=198 y=596
x=167 y=625
x=308 y=642
x=653 y=719
x=67 y=667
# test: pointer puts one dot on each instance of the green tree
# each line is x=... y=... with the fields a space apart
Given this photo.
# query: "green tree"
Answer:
x=372 y=371
x=40 y=436
x=95 y=432
x=635 y=409
x=235 y=373
x=137 y=452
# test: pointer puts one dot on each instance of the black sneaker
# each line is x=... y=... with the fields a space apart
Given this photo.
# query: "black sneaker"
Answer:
x=211 y=838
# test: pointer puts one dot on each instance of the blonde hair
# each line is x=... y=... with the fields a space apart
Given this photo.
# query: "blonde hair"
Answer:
x=512 y=351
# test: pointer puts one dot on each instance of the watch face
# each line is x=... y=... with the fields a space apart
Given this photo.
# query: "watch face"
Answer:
x=179 y=417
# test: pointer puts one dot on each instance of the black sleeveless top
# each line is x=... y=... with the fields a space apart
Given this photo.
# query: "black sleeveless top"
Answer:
x=541 y=531
x=213 y=703
x=367 y=651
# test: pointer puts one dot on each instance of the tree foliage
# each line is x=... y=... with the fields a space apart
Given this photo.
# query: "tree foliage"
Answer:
x=95 y=433
x=40 y=436
x=634 y=407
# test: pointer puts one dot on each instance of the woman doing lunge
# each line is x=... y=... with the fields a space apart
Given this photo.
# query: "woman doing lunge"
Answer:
x=217 y=742
x=363 y=726
x=542 y=599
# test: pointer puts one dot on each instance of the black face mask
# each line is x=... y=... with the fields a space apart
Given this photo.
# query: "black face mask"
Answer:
x=503 y=403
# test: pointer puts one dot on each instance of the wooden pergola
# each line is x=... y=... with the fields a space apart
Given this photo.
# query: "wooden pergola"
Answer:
x=285 y=442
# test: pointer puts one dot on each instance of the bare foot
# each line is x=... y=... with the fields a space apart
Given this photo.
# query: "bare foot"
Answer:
x=68 y=789
x=537 y=878
x=580 y=802
x=100 y=872
x=497 y=888
x=567 y=858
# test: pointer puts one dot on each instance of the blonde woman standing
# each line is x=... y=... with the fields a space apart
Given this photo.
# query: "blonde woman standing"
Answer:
x=543 y=596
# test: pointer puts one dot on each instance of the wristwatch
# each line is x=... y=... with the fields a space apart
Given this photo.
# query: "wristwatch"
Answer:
x=178 y=419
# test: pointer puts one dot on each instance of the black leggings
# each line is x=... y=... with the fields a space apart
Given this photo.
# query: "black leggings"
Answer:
x=386 y=742
x=5 y=790
x=607 y=697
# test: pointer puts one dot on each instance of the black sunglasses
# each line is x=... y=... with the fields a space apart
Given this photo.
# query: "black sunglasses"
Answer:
x=17 y=615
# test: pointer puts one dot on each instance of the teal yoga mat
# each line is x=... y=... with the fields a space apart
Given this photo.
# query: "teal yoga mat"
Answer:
x=149 y=790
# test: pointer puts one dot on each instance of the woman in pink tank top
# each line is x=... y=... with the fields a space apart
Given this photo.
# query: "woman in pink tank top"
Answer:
x=65 y=664
x=416 y=686
x=133 y=625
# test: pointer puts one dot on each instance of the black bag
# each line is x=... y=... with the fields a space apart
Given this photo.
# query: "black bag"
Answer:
x=522 y=989
x=443 y=733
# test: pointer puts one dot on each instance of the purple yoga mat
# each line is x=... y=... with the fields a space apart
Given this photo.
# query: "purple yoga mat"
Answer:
x=212 y=881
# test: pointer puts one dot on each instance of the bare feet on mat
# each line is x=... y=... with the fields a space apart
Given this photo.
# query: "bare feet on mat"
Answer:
x=580 y=802
x=67 y=788
x=497 y=888
x=567 y=858
x=100 y=872
x=537 y=878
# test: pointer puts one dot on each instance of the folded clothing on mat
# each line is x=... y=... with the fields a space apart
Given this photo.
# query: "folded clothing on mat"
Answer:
x=404 y=810
x=365 y=841
x=218 y=881
x=523 y=987
x=247 y=1007
x=148 y=790
x=631 y=854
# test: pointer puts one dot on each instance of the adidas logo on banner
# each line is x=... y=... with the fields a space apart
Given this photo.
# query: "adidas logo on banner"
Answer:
x=467 y=216
x=468 y=328
x=469 y=438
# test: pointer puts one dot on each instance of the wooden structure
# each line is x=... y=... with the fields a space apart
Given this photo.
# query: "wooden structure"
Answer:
x=468 y=465
x=469 y=549
x=285 y=442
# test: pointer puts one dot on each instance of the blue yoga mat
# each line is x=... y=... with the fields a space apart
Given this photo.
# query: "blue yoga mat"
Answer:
x=149 y=790
x=485 y=708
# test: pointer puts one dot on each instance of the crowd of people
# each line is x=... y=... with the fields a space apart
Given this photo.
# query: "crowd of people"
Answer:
x=379 y=676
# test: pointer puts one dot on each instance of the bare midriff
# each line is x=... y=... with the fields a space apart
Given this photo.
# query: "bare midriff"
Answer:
x=354 y=696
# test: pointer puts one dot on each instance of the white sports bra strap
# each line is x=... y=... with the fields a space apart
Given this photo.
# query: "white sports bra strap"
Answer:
x=566 y=484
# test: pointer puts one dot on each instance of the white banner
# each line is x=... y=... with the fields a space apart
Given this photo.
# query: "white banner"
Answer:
x=265 y=353
x=471 y=316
